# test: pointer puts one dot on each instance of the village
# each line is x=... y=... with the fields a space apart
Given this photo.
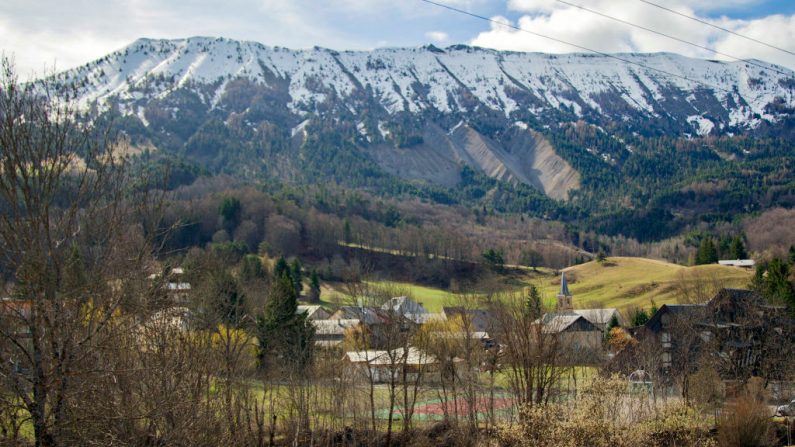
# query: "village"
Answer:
x=381 y=340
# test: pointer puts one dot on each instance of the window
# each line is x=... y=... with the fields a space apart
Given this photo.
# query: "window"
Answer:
x=665 y=340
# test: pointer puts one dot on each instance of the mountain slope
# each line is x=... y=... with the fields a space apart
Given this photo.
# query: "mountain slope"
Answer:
x=624 y=144
x=703 y=96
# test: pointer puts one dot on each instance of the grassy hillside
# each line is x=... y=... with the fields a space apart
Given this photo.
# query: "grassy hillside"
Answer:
x=619 y=282
x=635 y=282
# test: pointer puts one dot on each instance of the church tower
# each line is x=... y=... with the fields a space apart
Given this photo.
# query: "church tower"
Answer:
x=564 y=297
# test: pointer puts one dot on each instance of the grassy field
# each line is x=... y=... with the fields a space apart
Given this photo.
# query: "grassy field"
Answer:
x=624 y=283
x=431 y=298
x=620 y=282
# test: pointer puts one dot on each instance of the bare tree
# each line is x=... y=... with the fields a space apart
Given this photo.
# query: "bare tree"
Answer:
x=68 y=242
x=536 y=358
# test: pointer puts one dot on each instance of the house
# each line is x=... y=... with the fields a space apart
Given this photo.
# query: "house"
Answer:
x=172 y=317
x=601 y=317
x=331 y=333
x=16 y=308
x=367 y=315
x=404 y=306
x=573 y=329
x=179 y=292
x=668 y=326
x=741 y=263
x=380 y=324
x=579 y=340
x=737 y=328
x=482 y=322
x=379 y=365
x=313 y=312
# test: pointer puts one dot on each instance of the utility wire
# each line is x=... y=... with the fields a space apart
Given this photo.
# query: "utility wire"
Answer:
x=555 y=39
x=715 y=26
x=625 y=22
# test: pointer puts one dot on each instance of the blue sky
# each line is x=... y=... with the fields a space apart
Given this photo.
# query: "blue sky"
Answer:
x=44 y=33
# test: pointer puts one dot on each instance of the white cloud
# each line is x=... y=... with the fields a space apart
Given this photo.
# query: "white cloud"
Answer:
x=588 y=30
x=437 y=36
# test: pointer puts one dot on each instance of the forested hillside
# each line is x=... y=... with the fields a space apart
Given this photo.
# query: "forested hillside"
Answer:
x=618 y=149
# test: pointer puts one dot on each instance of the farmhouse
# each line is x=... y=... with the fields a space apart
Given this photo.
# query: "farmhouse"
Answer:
x=331 y=333
x=379 y=366
x=741 y=263
x=737 y=329
x=313 y=312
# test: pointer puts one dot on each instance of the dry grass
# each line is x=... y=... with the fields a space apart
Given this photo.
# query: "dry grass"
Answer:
x=625 y=282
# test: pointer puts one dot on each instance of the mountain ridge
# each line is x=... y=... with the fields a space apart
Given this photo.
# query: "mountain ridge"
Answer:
x=455 y=79
x=579 y=137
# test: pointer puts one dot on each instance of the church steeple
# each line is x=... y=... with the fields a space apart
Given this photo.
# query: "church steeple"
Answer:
x=564 y=297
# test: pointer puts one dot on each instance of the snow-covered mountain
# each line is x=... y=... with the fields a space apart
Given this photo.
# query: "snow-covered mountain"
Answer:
x=420 y=114
x=703 y=96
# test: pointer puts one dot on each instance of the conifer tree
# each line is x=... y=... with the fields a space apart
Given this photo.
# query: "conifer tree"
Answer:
x=297 y=275
x=707 y=253
x=314 y=287
x=251 y=268
x=613 y=323
x=533 y=304
x=280 y=267
x=227 y=300
x=737 y=249
x=772 y=281
x=283 y=333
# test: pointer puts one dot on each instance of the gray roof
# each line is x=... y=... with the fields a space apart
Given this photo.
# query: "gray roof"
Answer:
x=311 y=311
x=561 y=321
x=404 y=305
x=334 y=327
x=413 y=356
x=598 y=316
x=368 y=315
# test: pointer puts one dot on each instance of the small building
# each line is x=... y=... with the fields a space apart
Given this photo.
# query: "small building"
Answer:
x=482 y=322
x=404 y=306
x=737 y=328
x=741 y=263
x=601 y=317
x=367 y=315
x=580 y=339
x=179 y=318
x=331 y=333
x=380 y=365
x=179 y=292
x=313 y=312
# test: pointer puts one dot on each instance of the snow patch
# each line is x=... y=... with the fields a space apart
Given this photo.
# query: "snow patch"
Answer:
x=299 y=128
x=704 y=125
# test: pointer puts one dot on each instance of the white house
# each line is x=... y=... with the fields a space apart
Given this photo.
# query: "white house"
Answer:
x=742 y=263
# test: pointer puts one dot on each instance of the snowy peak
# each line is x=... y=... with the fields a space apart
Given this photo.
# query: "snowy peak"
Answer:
x=697 y=96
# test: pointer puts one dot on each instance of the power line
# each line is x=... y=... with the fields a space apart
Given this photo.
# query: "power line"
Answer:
x=555 y=39
x=715 y=26
x=626 y=22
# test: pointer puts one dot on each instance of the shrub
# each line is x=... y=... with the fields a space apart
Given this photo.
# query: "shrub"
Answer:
x=746 y=423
